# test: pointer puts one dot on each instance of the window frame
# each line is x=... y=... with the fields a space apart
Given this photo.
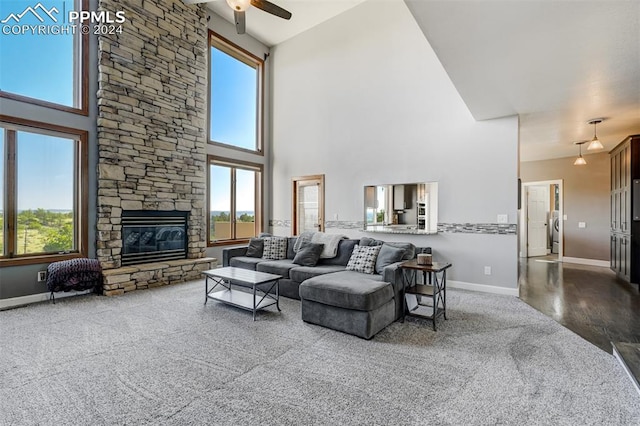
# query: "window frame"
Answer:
x=11 y=125
x=259 y=199
x=81 y=76
x=246 y=57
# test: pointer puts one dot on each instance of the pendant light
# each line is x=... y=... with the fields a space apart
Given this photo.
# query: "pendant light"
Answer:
x=580 y=161
x=595 y=142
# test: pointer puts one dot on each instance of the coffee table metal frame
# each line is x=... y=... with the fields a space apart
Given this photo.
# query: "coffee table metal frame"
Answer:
x=261 y=283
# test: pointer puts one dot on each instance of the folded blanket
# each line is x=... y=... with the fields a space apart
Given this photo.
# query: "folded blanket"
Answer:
x=74 y=274
x=330 y=242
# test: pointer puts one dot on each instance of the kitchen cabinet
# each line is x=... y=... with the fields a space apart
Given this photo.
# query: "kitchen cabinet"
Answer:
x=402 y=197
x=625 y=223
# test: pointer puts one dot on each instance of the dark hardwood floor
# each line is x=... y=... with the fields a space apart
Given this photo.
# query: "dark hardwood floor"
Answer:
x=588 y=300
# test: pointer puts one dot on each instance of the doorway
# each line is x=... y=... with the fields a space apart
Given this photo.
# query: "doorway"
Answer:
x=308 y=204
x=541 y=233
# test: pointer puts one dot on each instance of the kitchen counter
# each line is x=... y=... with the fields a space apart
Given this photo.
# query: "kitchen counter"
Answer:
x=398 y=229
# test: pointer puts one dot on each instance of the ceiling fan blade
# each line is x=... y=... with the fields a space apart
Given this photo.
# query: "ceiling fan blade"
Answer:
x=271 y=8
x=240 y=21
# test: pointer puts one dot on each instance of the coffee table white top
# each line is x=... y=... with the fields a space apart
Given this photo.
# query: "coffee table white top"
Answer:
x=242 y=275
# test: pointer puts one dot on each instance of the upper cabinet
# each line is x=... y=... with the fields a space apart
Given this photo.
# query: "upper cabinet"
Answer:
x=402 y=197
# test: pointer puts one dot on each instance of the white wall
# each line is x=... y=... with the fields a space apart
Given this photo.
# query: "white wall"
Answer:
x=363 y=99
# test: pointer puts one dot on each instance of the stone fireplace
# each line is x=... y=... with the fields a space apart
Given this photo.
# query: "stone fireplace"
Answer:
x=152 y=103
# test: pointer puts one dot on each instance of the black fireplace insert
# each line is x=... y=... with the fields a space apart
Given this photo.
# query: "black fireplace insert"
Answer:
x=153 y=236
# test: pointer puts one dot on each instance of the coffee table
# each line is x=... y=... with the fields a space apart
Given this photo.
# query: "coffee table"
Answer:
x=262 y=284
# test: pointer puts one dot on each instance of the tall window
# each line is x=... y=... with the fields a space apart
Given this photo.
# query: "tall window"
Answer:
x=43 y=54
x=2 y=207
x=235 y=98
x=43 y=184
x=234 y=201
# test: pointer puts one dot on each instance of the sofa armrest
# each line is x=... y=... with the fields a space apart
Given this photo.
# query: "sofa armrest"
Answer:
x=393 y=274
x=229 y=253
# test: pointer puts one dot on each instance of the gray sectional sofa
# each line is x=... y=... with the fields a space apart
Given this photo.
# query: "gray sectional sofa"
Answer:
x=331 y=296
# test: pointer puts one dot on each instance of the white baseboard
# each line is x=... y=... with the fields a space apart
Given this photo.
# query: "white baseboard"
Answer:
x=590 y=262
x=34 y=298
x=483 y=288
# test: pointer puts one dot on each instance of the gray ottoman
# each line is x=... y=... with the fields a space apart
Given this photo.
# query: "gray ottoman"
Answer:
x=348 y=301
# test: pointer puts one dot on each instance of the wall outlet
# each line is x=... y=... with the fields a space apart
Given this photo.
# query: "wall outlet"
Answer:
x=487 y=270
x=335 y=216
x=582 y=224
x=503 y=218
x=42 y=275
x=564 y=217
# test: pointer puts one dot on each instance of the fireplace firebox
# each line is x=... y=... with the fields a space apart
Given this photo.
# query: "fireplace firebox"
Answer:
x=153 y=236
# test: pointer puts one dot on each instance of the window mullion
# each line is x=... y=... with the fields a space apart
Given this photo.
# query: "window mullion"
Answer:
x=257 y=208
x=11 y=190
x=232 y=217
x=77 y=230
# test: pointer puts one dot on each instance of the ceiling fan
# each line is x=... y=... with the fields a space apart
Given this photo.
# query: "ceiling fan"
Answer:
x=240 y=6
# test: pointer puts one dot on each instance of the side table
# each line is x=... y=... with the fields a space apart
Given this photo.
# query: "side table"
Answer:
x=433 y=286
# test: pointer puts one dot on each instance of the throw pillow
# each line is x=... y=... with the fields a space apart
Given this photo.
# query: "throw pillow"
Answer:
x=308 y=254
x=302 y=238
x=388 y=255
x=363 y=259
x=255 y=248
x=291 y=242
x=275 y=248
x=366 y=241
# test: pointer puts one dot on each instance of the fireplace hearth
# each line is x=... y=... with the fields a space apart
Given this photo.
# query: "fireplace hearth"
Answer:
x=153 y=236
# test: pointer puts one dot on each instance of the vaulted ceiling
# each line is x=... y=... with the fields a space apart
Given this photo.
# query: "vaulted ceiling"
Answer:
x=556 y=64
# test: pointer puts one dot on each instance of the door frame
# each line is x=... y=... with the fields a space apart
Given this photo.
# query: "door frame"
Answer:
x=294 y=204
x=523 y=216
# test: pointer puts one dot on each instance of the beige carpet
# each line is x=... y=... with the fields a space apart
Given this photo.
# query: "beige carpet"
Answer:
x=161 y=357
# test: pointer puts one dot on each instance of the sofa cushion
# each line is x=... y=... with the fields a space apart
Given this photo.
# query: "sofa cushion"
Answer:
x=278 y=267
x=255 y=247
x=275 y=248
x=245 y=262
x=345 y=248
x=301 y=273
x=387 y=256
x=409 y=249
x=363 y=259
x=347 y=289
x=308 y=254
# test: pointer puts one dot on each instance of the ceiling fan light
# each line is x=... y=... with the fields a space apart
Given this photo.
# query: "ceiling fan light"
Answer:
x=595 y=144
x=239 y=5
x=580 y=161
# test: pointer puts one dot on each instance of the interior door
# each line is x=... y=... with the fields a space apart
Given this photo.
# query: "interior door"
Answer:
x=537 y=226
x=308 y=204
